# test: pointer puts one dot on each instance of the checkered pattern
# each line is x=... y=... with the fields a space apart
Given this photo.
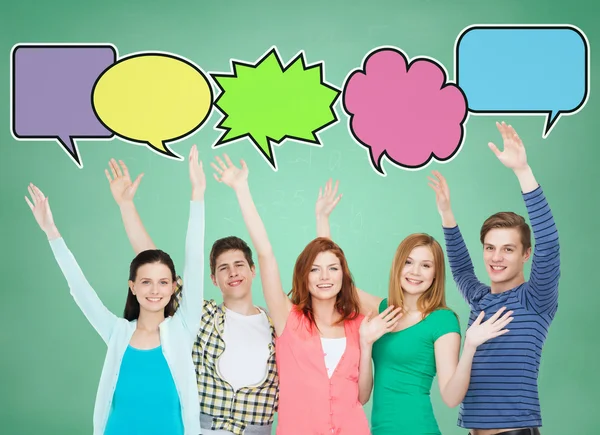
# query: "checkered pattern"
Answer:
x=231 y=410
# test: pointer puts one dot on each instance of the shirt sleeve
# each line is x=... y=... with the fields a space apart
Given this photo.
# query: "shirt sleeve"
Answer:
x=84 y=295
x=446 y=321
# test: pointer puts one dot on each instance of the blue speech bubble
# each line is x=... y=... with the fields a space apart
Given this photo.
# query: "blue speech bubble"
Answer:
x=528 y=70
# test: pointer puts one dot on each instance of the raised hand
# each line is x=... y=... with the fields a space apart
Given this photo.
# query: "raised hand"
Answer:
x=372 y=328
x=442 y=192
x=478 y=333
x=229 y=174
x=41 y=211
x=197 y=176
x=121 y=187
x=513 y=156
x=327 y=201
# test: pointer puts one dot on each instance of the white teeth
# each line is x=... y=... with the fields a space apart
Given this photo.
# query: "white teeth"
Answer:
x=324 y=285
x=498 y=267
x=154 y=299
x=413 y=281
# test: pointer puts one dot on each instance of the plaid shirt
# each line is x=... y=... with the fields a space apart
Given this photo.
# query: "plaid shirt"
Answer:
x=231 y=410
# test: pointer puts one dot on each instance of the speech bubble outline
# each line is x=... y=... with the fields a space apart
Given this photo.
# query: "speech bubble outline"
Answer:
x=271 y=159
x=168 y=153
x=67 y=142
x=550 y=120
x=377 y=166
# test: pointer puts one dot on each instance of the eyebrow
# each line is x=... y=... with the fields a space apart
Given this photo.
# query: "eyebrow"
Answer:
x=332 y=264
x=424 y=261
x=508 y=244
x=235 y=262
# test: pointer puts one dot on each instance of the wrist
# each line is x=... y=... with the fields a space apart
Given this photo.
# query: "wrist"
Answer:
x=52 y=233
x=126 y=204
x=523 y=171
x=469 y=347
x=241 y=188
x=197 y=193
x=365 y=345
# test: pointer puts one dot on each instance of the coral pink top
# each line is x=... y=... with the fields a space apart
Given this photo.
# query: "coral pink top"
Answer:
x=310 y=403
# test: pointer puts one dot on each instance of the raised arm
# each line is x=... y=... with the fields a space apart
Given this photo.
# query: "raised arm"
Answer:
x=459 y=258
x=545 y=268
x=278 y=303
x=123 y=191
x=84 y=295
x=326 y=203
x=454 y=374
x=190 y=303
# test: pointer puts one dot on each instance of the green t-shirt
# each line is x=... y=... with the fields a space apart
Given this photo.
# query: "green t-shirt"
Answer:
x=404 y=368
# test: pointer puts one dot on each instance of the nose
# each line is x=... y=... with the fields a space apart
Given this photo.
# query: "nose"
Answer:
x=496 y=256
x=324 y=274
x=233 y=272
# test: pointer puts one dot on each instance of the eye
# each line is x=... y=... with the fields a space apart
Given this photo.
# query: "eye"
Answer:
x=334 y=268
x=407 y=262
x=314 y=269
x=427 y=266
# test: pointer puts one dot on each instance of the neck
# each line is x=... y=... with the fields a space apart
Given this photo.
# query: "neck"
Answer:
x=149 y=321
x=325 y=311
x=501 y=287
x=410 y=302
x=242 y=306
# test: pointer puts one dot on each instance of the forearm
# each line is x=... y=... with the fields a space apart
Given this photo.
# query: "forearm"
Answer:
x=365 y=373
x=323 y=228
x=526 y=179
x=254 y=224
x=456 y=388
x=448 y=220
x=193 y=274
x=136 y=233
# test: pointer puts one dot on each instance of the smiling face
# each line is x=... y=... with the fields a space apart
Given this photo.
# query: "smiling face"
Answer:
x=325 y=276
x=153 y=287
x=419 y=271
x=504 y=257
x=233 y=275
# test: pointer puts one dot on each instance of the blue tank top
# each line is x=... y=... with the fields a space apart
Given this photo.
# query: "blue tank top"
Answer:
x=145 y=399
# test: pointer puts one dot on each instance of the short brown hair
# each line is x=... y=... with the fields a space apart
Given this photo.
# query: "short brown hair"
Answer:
x=434 y=297
x=347 y=302
x=508 y=219
x=225 y=244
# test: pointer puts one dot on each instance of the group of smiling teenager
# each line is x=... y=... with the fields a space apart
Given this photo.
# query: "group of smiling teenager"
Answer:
x=178 y=364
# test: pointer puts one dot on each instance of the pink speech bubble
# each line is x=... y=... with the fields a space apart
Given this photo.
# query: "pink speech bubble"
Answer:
x=406 y=111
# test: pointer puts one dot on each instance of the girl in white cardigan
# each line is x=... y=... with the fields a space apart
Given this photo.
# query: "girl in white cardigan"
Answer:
x=148 y=382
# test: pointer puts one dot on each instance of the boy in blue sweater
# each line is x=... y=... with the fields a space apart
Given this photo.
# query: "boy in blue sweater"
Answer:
x=503 y=393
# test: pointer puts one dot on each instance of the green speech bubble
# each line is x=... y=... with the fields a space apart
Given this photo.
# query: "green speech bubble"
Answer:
x=268 y=103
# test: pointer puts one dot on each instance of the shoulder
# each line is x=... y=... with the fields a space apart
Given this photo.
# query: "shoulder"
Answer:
x=383 y=304
x=443 y=320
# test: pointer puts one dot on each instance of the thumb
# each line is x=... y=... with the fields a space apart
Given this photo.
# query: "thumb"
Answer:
x=243 y=163
x=137 y=182
x=494 y=149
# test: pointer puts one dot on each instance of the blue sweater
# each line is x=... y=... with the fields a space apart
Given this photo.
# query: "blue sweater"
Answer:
x=503 y=392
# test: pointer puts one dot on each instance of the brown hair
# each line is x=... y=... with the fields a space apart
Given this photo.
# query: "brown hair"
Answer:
x=434 y=297
x=347 y=302
x=508 y=219
x=230 y=243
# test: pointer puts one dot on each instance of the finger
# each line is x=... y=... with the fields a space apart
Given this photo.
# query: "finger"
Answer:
x=108 y=176
x=216 y=178
x=335 y=188
x=499 y=333
x=496 y=315
x=29 y=203
x=137 y=181
x=221 y=163
x=216 y=168
x=124 y=168
x=386 y=311
x=320 y=192
x=393 y=315
x=436 y=188
x=30 y=189
x=117 y=168
x=479 y=318
x=503 y=322
x=228 y=160
x=494 y=149
x=244 y=165
x=434 y=181
x=38 y=193
x=112 y=164
x=335 y=202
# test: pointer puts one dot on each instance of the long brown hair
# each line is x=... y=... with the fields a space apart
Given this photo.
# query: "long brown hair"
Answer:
x=434 y=297
x=347 y=302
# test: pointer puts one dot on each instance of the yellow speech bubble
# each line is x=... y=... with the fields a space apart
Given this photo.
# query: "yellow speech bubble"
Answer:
x=152 y=98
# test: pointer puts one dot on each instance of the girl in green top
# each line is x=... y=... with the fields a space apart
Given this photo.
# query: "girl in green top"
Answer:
x=426 y=340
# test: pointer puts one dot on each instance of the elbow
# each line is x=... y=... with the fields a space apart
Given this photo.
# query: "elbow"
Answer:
x=451 y=402
x=364 y=398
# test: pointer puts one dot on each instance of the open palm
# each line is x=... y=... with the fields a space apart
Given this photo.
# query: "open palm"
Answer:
x=229 y=174
x=40 y=208
x=513 y=155
x=442 y=192
x=327 y=200
x=478 y=333
x=197 y=176
x=371 y=329
x=121 y=187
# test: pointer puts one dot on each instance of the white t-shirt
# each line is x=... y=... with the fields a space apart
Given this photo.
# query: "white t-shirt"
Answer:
x=333 y=348
x=244 y=361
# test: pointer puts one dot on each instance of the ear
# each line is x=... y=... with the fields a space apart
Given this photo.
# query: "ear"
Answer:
x=214 y=280
x=527 y=254
x=253 y=269
x=131 y=287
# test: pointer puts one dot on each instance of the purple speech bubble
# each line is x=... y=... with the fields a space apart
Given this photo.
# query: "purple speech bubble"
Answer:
x=52 y=92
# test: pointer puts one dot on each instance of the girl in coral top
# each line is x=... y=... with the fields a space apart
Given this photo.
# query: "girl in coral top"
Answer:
x=324 y=376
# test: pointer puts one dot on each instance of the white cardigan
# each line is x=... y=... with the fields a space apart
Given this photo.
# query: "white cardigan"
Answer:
x=177 y=333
